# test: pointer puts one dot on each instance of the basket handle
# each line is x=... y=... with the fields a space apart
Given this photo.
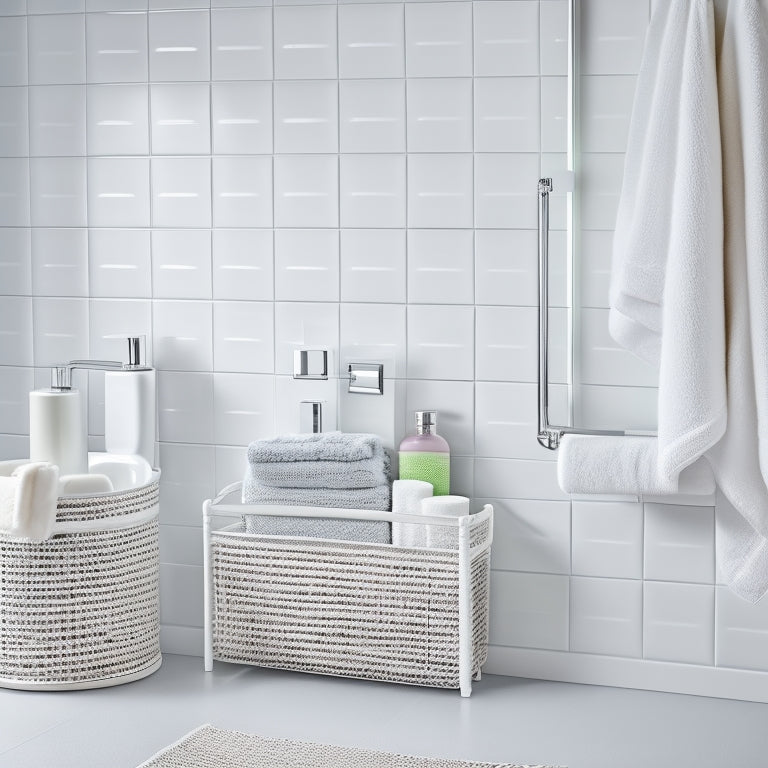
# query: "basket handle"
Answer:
x=226 y=490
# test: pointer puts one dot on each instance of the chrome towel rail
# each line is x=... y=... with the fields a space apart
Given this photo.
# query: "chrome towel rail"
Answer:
x=549 y=435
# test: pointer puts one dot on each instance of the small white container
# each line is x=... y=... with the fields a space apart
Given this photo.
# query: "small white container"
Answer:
x=57 y=430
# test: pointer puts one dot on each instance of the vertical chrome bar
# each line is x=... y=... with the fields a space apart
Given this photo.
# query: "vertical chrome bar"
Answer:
x=545 y=187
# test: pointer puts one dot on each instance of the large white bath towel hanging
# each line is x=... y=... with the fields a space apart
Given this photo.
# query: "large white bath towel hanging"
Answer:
x=740 y=459
x=667 y=276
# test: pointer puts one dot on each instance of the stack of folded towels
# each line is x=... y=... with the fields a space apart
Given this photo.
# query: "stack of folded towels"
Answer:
x=329 y=469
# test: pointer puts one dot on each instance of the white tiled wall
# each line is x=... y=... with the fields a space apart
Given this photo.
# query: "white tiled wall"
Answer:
x=236 y=178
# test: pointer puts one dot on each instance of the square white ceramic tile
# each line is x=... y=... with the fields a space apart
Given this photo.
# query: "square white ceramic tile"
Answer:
x=230 y=465
x=242 y=118
x=14 y=123
x=679 y=623
x=118 y=192
x=608 y=539
x=14 y=8
x=181 y=192
x=372 y=115
x=306 y=116
x=596 y=254
x=13 y=50
x=506 y=267
x=439 y=114
x=605 y=109
x=531 y=535
x=680 y=543
x=57 y=190
x=119 y=263
x=603 y=361
x=181 y=264
x=14 y=192
x=242 y=191
x=372 y=191
x=183 y=335
x=243 y=337
x=438 y=39
x=441 y=342
x=16 y=330
x=440 y=266
x=16 y=261
x=507 y=114
x=529 y=610
x=115 y=5
x=243 y=408
x=554 y=108
x=505 y=191
x=181 y=120
x=373 y=265
x=517 y=479
x=179 y=45
x=606 y=616
x=118 y=120
x=371 y=41
x=112 y=321
x=305 y=42
x=613 y=34
x=178 y=606
x=506 y=416
x=306 y=265
x=306 y=191
x=180 y=545
x=243 y=264
x=506 y=37
x=601 y=185
x=373 y=332
x=178 y=4
x=440 y=190
x=57 y=120
x=188 y=475
x=56 y=49
x=241 y=44
x=741 y=628
x=61 y=330
x=553 y=37
x=117 y=47
x=618 y=407
x=300 y=325
x=454 y=403
x=185 y=415
x=59 y=262
x=507 y=344
x=15 y=384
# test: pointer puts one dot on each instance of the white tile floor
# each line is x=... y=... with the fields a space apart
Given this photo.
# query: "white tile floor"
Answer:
x=506 y=719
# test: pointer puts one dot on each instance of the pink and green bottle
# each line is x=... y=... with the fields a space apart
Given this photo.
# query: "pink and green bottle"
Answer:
x=425 y=455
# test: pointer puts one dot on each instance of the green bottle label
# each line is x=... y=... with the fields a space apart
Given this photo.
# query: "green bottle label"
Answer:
x=432 y=468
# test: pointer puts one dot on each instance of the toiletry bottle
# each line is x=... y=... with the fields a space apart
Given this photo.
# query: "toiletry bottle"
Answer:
x=57 y=431
x=425 y=455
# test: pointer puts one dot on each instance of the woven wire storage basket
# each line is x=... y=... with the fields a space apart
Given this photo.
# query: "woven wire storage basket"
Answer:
x=352 y=609
x=81 y=610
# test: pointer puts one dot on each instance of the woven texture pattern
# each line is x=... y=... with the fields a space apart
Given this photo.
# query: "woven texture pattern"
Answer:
x=85 y=606
x=372 y=612
x=209 y=747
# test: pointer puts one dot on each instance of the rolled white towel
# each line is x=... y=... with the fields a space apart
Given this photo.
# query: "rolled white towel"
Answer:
x=623 y=464
x=406 y=499
x=28 y=501
x=442 y=536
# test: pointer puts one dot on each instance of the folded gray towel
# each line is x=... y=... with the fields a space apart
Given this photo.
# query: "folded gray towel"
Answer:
x=378 y=498
x=365 y=473
x=373 y=531
x=324 y=446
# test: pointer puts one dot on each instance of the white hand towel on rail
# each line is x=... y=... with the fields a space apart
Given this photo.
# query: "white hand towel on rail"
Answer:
x=623 y=464
x=28 y=501
x=667 y=275
x=740 y=459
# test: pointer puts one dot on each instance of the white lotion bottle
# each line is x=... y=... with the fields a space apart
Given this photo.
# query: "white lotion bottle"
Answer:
x=57 y=430
x=129 y=405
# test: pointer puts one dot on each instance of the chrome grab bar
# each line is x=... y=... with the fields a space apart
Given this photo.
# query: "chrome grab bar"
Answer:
x=549 y=435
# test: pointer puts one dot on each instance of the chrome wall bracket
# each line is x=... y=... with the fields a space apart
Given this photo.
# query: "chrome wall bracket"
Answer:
x=366 y=378
x=310 y=364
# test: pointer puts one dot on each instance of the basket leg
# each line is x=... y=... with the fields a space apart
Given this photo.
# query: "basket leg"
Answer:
x=478 y=675
x=207 y=589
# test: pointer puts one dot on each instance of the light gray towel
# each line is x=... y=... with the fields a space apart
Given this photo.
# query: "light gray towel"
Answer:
x=324 y=446
x=378 y=498
x=365 y=473
x=373 y=531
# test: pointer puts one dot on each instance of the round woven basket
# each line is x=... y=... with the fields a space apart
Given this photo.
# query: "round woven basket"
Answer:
x=81 y=610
